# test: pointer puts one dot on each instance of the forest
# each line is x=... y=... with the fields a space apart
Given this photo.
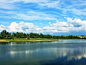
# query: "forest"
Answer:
x=7 y=35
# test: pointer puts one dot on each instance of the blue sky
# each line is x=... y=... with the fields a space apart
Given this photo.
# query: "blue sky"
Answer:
x=56 y=17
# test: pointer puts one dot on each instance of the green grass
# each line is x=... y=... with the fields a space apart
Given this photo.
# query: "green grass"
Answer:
x=29 y=40
x=34 y=40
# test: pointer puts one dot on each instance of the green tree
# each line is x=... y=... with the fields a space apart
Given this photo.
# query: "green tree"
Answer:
x=48 y=36
x=28 y=36
x=41 y=35
x=3 y=33
x=0 y=36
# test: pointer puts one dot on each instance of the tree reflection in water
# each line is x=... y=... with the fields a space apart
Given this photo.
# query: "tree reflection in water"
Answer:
x=43 y=53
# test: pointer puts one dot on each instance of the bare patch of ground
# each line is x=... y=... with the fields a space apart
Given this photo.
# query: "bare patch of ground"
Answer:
x=3 y=40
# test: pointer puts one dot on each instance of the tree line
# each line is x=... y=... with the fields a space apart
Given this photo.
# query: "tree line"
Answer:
x=7 y=35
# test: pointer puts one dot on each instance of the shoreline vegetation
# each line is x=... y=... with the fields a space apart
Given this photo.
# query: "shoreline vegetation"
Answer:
x=34 y=37
x=33 y=40
x=28 y=40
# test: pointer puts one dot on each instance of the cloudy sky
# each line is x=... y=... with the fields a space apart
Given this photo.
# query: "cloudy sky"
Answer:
x=56 y=17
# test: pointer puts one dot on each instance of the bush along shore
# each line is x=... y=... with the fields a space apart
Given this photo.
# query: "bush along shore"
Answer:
x=32 y=37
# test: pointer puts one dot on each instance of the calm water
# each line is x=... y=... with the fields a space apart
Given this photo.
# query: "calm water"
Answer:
x=63 y=52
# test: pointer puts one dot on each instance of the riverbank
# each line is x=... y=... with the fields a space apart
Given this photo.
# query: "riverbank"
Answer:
x=33 y=40
x=28 y=40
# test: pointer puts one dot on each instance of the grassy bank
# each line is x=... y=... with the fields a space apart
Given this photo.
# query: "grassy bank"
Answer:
x=33 y=40
x=28 y=40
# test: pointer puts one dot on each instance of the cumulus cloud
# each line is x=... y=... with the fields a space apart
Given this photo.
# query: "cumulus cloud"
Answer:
x=25 y=27
x=68 y=26
x=2 y=27
x=76 y=21
x=59 y=26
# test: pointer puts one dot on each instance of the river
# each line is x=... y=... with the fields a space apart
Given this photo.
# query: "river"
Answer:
x=62 y=52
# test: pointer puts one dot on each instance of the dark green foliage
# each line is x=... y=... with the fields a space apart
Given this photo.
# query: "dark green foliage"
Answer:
x=6 y=35
x=28 y=36
x=48 y=36
x=19 y=35
x=41 y=35
x=0 y=36
x=11 y=37
x=34 y=35
x=3 y=33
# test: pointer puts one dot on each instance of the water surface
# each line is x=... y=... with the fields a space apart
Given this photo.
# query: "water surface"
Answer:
x=62 y=52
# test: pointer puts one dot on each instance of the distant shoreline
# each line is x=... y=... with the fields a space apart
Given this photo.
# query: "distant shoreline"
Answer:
x=34 y=40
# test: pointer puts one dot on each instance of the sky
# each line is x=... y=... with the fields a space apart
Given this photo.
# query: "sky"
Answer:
x=55 y=17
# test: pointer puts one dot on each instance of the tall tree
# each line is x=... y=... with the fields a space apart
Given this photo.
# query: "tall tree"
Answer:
x=3 y=33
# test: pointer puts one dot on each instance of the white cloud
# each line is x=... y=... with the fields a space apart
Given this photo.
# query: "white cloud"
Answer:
x=29 y=15
x=35 y=15
x=68 y=26
x=62 y=8
x=29 y=1
x=5 y=4
x=77 y=21
x=14 y=27
x=60 y=24
x=25 y=27
x=73 y=6
x=51 y=4
x=9 y=4
x=2 y=27
x=78 y=11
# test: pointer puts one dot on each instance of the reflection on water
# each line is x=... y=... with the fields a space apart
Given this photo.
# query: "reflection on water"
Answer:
x=63 y=52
